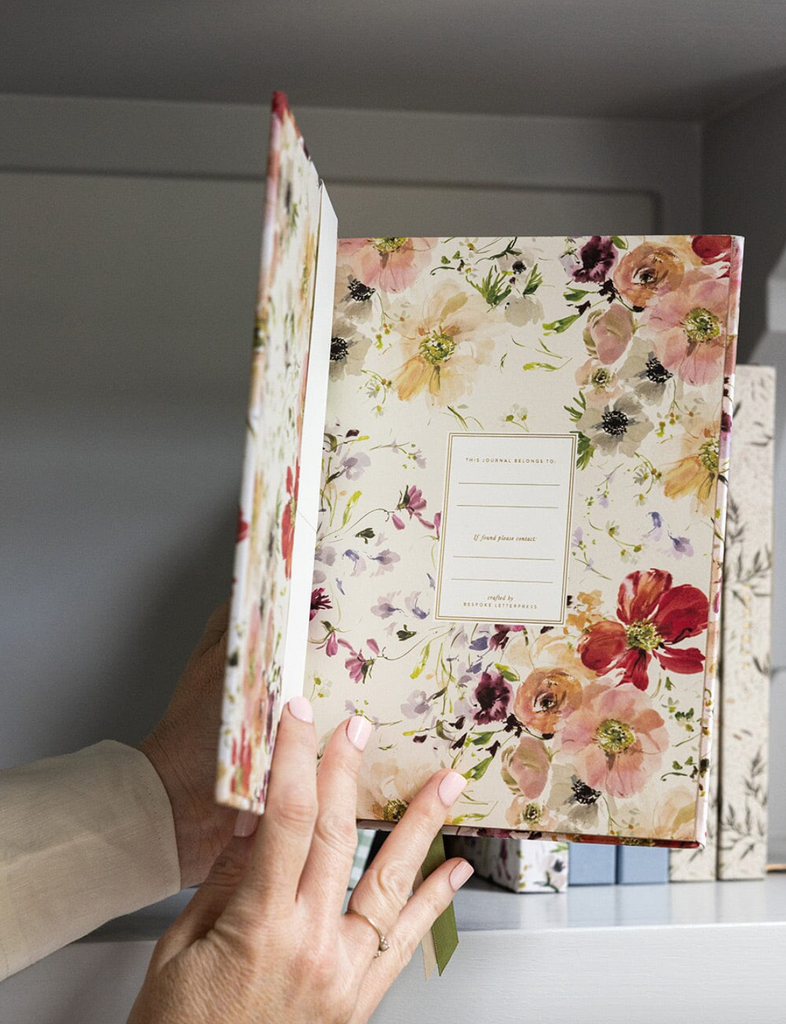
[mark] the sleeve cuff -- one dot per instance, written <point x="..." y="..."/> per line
<point x="84" y="838"/>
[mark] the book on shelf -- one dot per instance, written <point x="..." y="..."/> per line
<point x="514" y="864"/>
<point x="737" y="833"/>
<point x="745" y="643"/>
<point x="482" y="506"/>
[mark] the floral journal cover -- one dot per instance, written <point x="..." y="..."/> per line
<point x="276" y="530"/>
<point x="511" y="565"/>
<point x="521" y="525"/>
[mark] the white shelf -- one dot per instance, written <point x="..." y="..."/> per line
<point x="649" y="954"/>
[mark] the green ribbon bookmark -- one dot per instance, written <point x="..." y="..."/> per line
<point x="444" y="933"/>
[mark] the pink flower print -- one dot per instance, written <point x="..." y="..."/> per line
<point x="357" y="664"/>
<point x="528" y="767"/>
<point x="411" y="500"/>
<point x="687" y="328"/>
<point x="390" y="264"/>
<point x="615" y="740"/>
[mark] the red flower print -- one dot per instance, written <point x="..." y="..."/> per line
<point x="501" y="635"/>
<point x="241" y="762"/>
<point x="491" y="699"/>
<point x="242" y="526"/>
<point x="711" y="248"/>
<point x="653" y="617"/>
<point x="319" y="600"/>
<point x="288" y="518"/>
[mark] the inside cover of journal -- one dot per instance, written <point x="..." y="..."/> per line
<point x="483" y="505"/>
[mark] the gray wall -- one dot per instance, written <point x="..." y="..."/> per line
<point x="745" y="192"/>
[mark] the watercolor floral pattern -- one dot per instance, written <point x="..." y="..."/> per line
<point x="266" y="517"/>
<point x="597" y="727"/>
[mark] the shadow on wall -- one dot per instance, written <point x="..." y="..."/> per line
<point x="119" y="544"/>
<point x="163" y="628"/>
<point x="744" y="189"/>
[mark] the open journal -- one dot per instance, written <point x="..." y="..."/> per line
<point x="483" y="505"/>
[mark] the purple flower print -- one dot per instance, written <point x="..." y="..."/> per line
<point x="319" y="600"/>
<point x="412" y="606"/>
<point x="656" y="532"/>
<point x="578" y="537"/>
<point x="358" y="562"/>
<point x="681" y="546"/>
<point x="384" y="607"/>
<point x="326" y="554"/>
<point x="355" y="464"/>
<point x="417" y="704"/>
<point x="385" y="559"/>
<point x="594" y="260"/>
<point x="501" y="636"/>
<point x="492" y="697"/>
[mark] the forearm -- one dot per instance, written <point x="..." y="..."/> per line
<point x="84" y="838"/>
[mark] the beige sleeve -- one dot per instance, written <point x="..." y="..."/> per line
<point x="83" y="838"/>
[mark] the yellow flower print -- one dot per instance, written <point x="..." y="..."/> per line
<point x="444" y="347"/>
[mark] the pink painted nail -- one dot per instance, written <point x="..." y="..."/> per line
<point x="300" y="708"/>
<point x="460" y="874"/>
<point x="451" y="787"/>
<point x="358" y="731"/>
<point x="246" y="824"/>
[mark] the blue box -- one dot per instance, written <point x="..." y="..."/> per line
<point x="592" y="864"/>
<point x="642" y="865"/>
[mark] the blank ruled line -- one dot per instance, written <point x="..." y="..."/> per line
<point x="509" y="558"/>
<point x="485" y="505"/>
<point x="482" y="579"/>
<point x="501" y="483"/>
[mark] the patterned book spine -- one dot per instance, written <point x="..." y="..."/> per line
<point x="747" y="589"/>
<point x="516" y="864"/>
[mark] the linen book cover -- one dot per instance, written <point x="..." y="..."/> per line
<point x="520" y="524"/>
<point x="745" y="638"/>
<point x="737" y="824"/>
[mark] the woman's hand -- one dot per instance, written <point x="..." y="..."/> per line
<point x="264" y="941"/>
<point x="182" y="749"/>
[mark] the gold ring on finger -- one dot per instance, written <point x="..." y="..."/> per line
<point x="384" y="945"/>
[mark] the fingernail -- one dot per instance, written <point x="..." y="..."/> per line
<point x="246" y="824"/>
<point x="451" y="787"/>
<point x="460" y="874"/>
<point x="300" y="708"/>
<point x="358" y="731"/>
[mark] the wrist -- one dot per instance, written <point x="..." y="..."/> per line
<point x="188" y="829"/>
